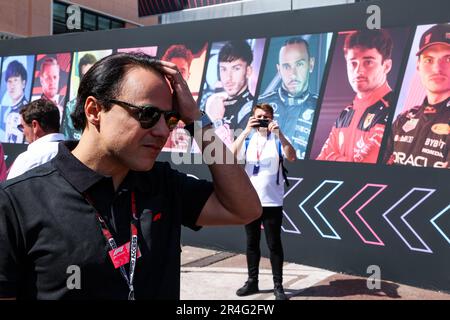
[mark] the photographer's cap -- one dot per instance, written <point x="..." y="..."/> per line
<point x="438" y="34"/>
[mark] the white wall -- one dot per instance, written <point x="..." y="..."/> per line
<point x="245" y="7"/>
<point x="301" y="4"/>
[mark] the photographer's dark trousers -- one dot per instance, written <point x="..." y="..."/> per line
<point x="271" y="219"/>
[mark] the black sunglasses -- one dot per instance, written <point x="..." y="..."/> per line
<point x="149" y="115"/>
<point x="20" y="127"/>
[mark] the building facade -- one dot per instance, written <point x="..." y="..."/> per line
<point x="31" y="18"/>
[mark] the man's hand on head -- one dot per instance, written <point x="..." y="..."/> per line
<point x="183" y="102"/>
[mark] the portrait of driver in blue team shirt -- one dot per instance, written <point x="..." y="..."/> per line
<point x="293" y="102"/>
<point x="15" y="94"/>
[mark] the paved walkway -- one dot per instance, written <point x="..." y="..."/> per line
<point x="216" y="275"/>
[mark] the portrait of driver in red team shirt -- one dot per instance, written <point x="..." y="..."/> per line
<point x="420" y="136"/>
<point x="179" y="139"/>
<point x="358" y="131"/>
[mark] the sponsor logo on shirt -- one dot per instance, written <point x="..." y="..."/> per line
<point x="441" y="128"/>
<point x="302" y="129"/>
<point x="429" y="109"/>
<point x="406" y="139"/>
<point x="341" y="139"/>
<point x="307" y="115"/>
<point x="435" y="143"/>
<point x="360" y="144"/>
<point x="411" y="160"/>
<point x="417" y="161"/>
<point x="368" y="120"/>
<point x="275" y="108"/>
<point x="410" y="125"/>
<point x="433" y="152"/>
<point x="157" y="217"/>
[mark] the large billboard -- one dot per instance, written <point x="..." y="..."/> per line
<point x="367" y="111"/>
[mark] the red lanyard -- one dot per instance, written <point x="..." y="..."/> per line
<point x="133" y="242"/>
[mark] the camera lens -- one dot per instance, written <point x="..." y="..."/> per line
<point x="263" y="123"/>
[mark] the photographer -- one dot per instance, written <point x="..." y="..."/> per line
<point x="263" y="152"/>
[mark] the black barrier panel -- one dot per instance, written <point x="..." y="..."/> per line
<point x="343" y="212"/>
<point x="347" y="218"/>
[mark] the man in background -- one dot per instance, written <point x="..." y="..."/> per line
<point x="40" y="126"/>
<point x="264" y="146"/>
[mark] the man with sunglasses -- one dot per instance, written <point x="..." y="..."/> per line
<point x="102" y="220"/>
<point x="39" y="123"/>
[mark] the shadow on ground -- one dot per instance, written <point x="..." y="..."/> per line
<point x="346" y="288"/>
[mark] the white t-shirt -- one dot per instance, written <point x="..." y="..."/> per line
<point x="38" y="152"/>
<point x="265" y="181"/>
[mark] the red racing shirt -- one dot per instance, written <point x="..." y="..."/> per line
<point x="357" y="133"/>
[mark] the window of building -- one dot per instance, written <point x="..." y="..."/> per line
<point x="104" y="23"/>
<point x="116" y="24"/>
<point x="90" y="20"/>
<point x="59" y="18"/>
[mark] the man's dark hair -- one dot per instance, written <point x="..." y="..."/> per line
<point x="43" y="111"/>
<point x="15" y="69"/>
<point x="263" y="106"/>
<point x="178" y="51"/>
<point x="379" y="39"/>
<point x="104" y="81"/>
<point x="298" y="40"/>
<point x="234" y="50"/>
<point x="88" y="58"/>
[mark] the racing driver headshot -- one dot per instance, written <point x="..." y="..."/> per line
<point x="420" y="136"/>
<point x="357" y="133"/>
